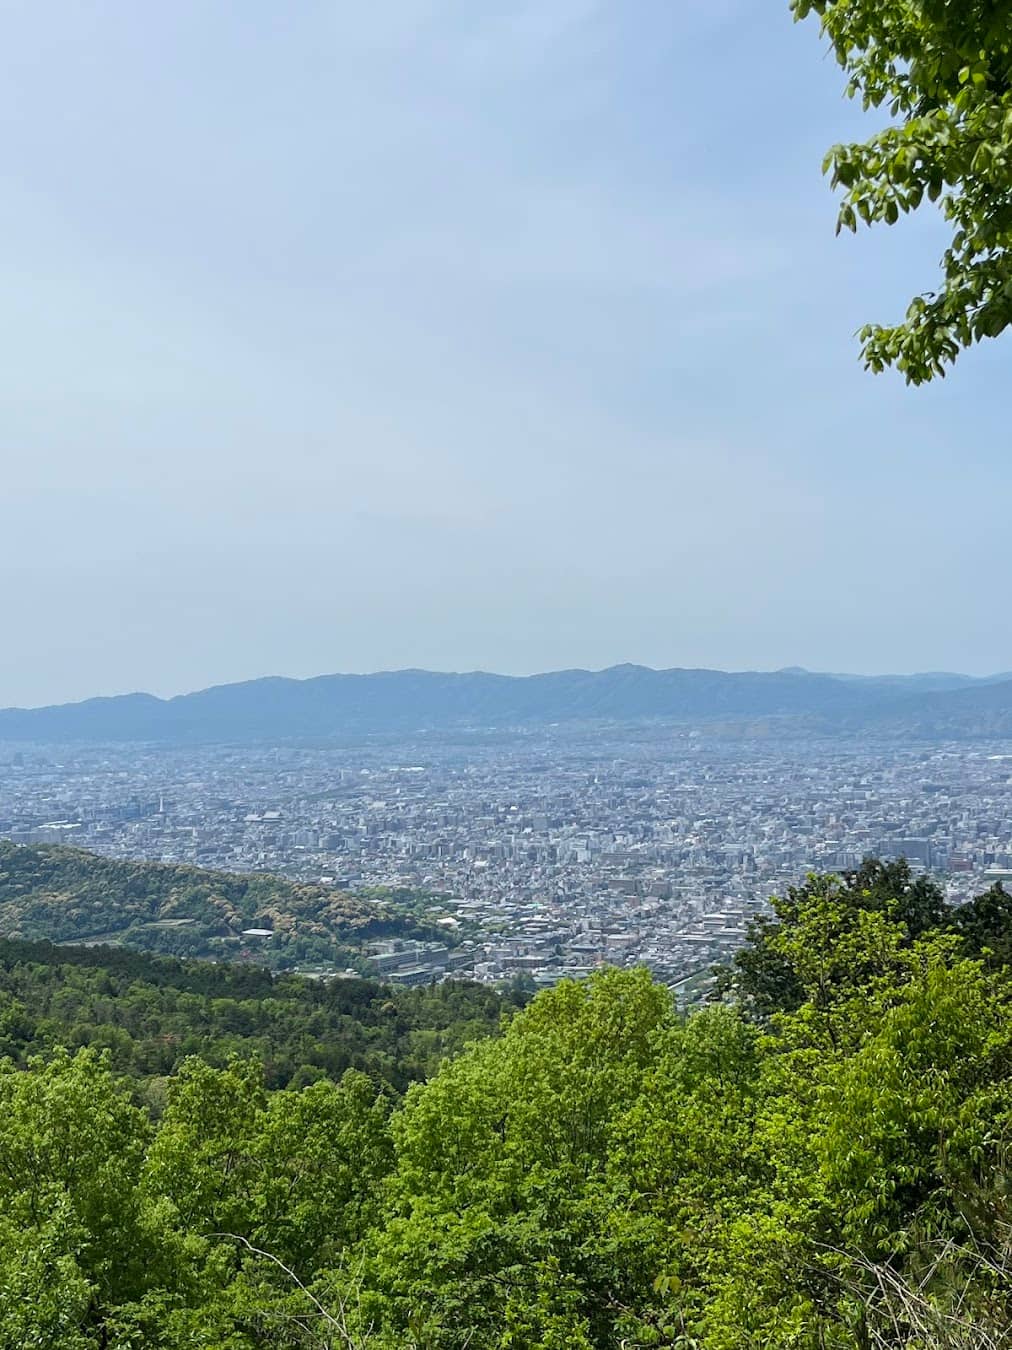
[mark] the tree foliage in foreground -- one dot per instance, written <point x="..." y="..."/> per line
<point x="942" y="69"/>
<point x="817" y="1162"/>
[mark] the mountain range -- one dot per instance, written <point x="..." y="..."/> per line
<point x="793" y="701"/>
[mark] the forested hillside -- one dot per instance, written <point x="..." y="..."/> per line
<point x="68" y="895"/>
<point x="151" y="1013"/>
<point x="816" y="1162"/>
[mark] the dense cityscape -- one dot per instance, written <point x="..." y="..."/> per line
<point x="543" y="854"/>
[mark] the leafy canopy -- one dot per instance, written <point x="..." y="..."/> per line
<point x="943" y="70"/>
<point x="818" y="1161"/>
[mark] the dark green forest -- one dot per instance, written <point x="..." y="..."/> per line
<point x="149" y="1014"/>
<point x="69" y="895"/>
<point x="818" y="1159"/>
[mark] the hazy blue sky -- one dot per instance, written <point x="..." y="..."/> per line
<point x="457" y="335"/>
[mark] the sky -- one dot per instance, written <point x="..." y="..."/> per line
<point x="463" y="335"/>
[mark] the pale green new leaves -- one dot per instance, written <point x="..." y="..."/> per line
<point x="943" y="71"/>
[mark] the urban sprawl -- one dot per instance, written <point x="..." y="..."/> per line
<point x="542" y="855"/>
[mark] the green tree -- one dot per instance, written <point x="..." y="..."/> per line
<point x="920" y="1106"/>
<point x="828" y="937"/>
<point x="497" y="1233"/>
<point x="943" y="71"/>
<point x="323" y="1154"/>
<point x="204" y="1158"/>
<point x="46" y="1299"/>
<point x="71" y="1143"/>
<point x="985" y="925"/>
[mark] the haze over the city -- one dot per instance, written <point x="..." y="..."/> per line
<point x="455" y="337"/>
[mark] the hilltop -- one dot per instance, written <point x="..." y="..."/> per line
<point x="68" y="895"/>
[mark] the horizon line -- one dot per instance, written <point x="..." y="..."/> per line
<point x="793" y="670"/>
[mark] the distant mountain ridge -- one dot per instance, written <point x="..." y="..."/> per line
<point x="406" y="701"/>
